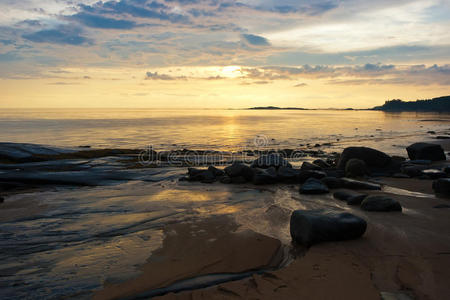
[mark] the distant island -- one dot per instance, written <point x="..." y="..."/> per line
<point x="275" y="107"/>
<point x="440" y="104"/>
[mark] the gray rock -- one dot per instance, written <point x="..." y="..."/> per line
<point x="2" y="199"/>
<point x="308" y="227"/>
<point x="372" y="157"/>
<point x="271" y="160"/>
<point x="345" y="195"/>
<point x="380" y="203"/>
<point x="427" y="151"/>
<point x="442" y="206"/>
<point x="307" y="166"/>
<point x="442" y="186"/>
<point x="355" y="168"/>
<point x="217" y="172"/>
<point x="202" y="175"/>
<point x="356" y="200"/>
<point x="313" y="186"/>
<point x="413" y="170"/>
<point x="226" y="179"/>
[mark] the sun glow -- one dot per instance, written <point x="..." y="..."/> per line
<point x="231" y="71"/>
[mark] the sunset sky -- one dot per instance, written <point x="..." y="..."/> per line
<point x="222" y="54"/>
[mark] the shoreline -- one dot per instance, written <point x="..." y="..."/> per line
<point x="233" y="240"/>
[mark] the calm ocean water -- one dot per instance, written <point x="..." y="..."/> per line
<point x="217" y="129"/>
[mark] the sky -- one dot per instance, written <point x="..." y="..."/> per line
<point x="222" y="53"/>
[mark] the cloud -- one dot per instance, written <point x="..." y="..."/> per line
<point x="103" y="22"/>
<point x="156" y="76"/>
<point x="255" y="40"/>
<point x="64" y="35"/>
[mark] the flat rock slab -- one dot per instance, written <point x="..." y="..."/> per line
<point x="380" y="203"/>
<point x="308" y="227"/>
<point x="313" y="186"/>
<point x="426" y="151"/>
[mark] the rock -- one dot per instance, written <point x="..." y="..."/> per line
<point x="446" y="169"/>
<point x="434" y="174"/>
<point x="238" y="179"/>
<point x="420" y="162"/>
<point x="265" y="176"/>
<point x="442" y="206"/>
<point x="442" y="186"/>
<point x="226" y="179"/>
<point x="217" y="172"/>
<point x="239" y="169"/>
<point x="359" y="185"/>
<point x="313" y="186"/>
<point x="306" y="174"/>
<point x="286" y="174"/>
<point x="380" y="203"/>
<point x="428" y="151"/>
<point x="431" y="132"/>
<point x="308" y="227"/>
<point x="2" y="199"/>
<point x="344" y="195"/>
<point x="413" y="170"/>
<point x="321" y="163"/>
<point x="400" y="175"/>
<point x="355" y="168"/>
<point x="332" y="182"/>
<point x="356" y="200"/>
<point x="443" y="137"/>
<point x="372" y="157"/>
<point x="271" y="160"/>
<point x="307" y="166"/>
<point x="204" y="176"/>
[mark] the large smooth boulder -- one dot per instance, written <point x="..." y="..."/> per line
<point x="308" y="227"/>
<point x="380" y="203"/>
<point x="271" y="160"/>
<point x="442" y="186"/>
<point x="306" y="174"/>
<point x="355" y="168"/>
<point x="313" y="186"/>
<point x="240" y="170"/>
<point x="205" y="176"/>
<point x="426" y="151"/>
<point x="351" y="197"/>
<point x="372" y="157"/>
<point x="332" y="182"/>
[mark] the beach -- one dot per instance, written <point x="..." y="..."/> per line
<point x="129" y="223"/>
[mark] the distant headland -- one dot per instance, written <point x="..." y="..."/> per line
<point x="440" y="104"/>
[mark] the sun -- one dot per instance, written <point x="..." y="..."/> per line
<point x="231" y="71"/>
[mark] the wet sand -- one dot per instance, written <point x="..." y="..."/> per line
<point x="401" y="254"/>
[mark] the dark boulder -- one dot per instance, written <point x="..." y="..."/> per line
<point x="413" y="170"/>
<point x="265" y="176"/>
<point x="217" y="172"/>
<point x="372" y="157"/>
<point x="286" y="174"/>
<point x="359" y="185"/>
<point x="305" y="175"/>
<point x="226" y="179"/>
<point x="346" y="195"/>
<point x="271" y="160"/>
<point x="426" y="151"/>
<point x="313" y="186"/>
<point x="442" y="186"/>
<point x="2" y="199"/>
<point x="307" y="166"/>
<point x="202" y="175"/>
<point x="380" y="203"/>
<point x="332" y="182"/>
<point x="321" y="163"/>
<point x="442" y="206"/>
<point x="239" y="169"/>
<point x="308" y="227"/>
<point x="356" y="200"/>
<point x="355" y="168"/>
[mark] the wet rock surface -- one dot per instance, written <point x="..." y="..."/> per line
<point x="313" y="186"/>
<point x="372" y="157"/>
<point x="308" y="227"/>
<point x="380" y="203"/>
<point x="425" y="151"/>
